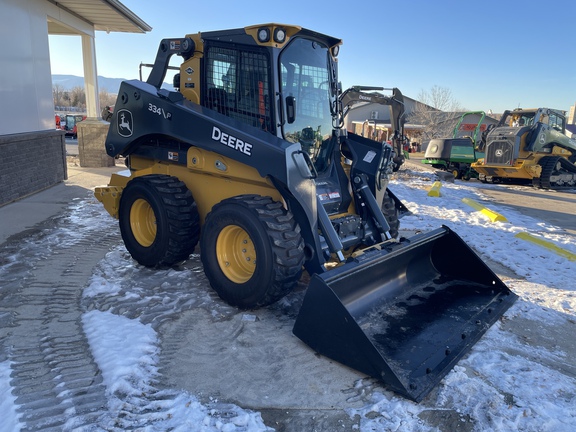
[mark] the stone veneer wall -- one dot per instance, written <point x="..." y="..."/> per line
<point x="31" y="162"/>
<point x="91" y="144"/>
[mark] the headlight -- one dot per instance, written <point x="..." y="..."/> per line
<point x="279" y="35"/>
<point x="263" y="34"/>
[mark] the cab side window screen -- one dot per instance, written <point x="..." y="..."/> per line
<point x="237" y="85"/>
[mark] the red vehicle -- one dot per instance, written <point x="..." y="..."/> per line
<point x="71" y="121"/>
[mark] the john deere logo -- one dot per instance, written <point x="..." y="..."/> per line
<point x="125" y="123"/>
<point x="499" y="153"/>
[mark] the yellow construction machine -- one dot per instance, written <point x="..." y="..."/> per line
<point x="249" y="158"/>
<point x="530" y="145"/>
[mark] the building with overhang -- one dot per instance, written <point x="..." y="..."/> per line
<point x="32" y="151"/>
<point x="373" y="120"/>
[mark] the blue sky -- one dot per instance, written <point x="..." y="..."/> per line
<point x="491" y="55"/>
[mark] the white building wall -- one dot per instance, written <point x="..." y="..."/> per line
<point x="25" y="77"/>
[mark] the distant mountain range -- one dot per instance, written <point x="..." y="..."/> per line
<point x="111" y="85"/>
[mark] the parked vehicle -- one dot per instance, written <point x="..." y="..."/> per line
<point x="456" y="154"/>
<point x="249" y="158"/>
<point x="72" y="121"/>
<point x="531" y="145"/>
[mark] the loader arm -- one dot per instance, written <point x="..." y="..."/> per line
<point x="168" y="47"/>
<point x="357" y="95"/>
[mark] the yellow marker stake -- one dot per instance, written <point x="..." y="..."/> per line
<point x="547" y="245"/>
<point x="434" y="191"/>
<point x="492" y="215"/>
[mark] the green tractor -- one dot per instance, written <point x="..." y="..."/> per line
<point x="457" y="153"/>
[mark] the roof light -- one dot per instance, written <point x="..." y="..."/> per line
<point x="263" y="34"/>
<point x="279" y="35"/>
<point x="335" y="50"/>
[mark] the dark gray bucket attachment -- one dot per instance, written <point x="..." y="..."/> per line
<point x="405" y="314"/>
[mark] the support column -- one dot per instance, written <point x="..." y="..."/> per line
<point x="92" y="131"/>
<point x="90" y="77"/>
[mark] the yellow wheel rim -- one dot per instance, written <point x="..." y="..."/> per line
<point x="236" y="254"/>
<point x="455" y="173"/>
<point x="143" y="222"/>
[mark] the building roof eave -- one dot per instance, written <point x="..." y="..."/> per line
<point x="103" y="15"/>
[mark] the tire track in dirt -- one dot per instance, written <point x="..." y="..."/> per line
<point x="56" y="383"/>
<point x="158" y="297"/>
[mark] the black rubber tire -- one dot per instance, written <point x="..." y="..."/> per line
<point x="159" y="221"/>
<point x="390" y="212"/>
<point x="275" y="240"/>
<point x="454" y="169"/>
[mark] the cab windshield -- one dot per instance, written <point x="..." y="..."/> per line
<point x="517" y="118"/>
<point x="305" y="84"/>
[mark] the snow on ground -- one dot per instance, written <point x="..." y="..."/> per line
<point x="8" y="413"/>
<point x="503" y="384"/>
<point x="500" y="391"/>
<point x="127" y="353"/>
<point x="493" y="240"/>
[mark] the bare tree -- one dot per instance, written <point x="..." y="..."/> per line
<point x="440" y="98"/>
<point x="78" y="97"/>
<point x="57" y="94"/>
<point x="106" y="99"/>
<point x="437" y="112"/>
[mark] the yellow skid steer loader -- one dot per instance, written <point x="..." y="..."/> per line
<point x="249" y="158"/>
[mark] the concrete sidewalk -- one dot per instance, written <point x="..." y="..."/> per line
<point x="21" y="217"/>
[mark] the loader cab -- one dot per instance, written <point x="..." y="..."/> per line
<point x="517" y="118"/>
<point x="305" y="86"/>
<point x="557" y="121"/>
<point x="539" y="129"/>
<point x="237" y="83"/>
<point x="280" y="79"/>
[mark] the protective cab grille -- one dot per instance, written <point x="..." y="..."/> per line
<point x="237" y="85"/>
<point x="499" y="153"/>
